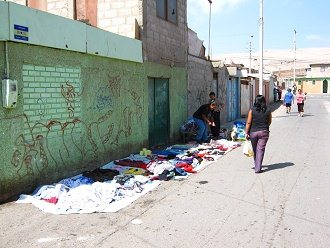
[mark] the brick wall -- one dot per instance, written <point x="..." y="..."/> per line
<point x="57" y="7"/>
<point x="200" y="76"/>
<point x="22" y="2"/>
<point x="163" y="41"/>
<point x="118" y="16"/>
<point x="61" y="7"/>
<point x="50" y="93"/>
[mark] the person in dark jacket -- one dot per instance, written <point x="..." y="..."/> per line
<point x="215" y="130"/>
<point x="203" y="117"/>
<point x="257" y="129"/>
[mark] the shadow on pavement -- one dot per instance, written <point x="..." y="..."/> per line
<point x="275" y="105"/>
<point x="276" y="166"/>
<point x="281" y="116"/>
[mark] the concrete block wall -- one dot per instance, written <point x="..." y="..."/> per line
<point x="200" y="76"/>
<point x="61" y="7"/>
<point x="163" y="41"/>
<point x="22" y="2"/>
<point x="223" y="77"/>
<point x="118" y="16"/>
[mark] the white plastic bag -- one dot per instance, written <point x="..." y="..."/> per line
<point x="247" y="148"/>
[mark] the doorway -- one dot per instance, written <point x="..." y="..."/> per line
<point x="233" y="97"/>
<point x="158" y="111"/>
<point x="325" y="86"/>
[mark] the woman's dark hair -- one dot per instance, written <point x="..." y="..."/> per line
<point x="260" y="103"/>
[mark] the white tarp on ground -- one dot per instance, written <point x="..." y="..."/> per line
<point x="89" y="198"/>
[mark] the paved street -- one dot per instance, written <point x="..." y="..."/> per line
<point x="225" y="205"/>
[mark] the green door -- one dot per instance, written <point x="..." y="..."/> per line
<point x="158" y="111"/>
<point x="325" y="86"/>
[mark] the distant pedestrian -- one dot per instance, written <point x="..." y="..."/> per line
<point x="257" y="129"/>
<point x="203" y="117"/>
<point x="300" y="98"/>
<point x="279" y="92"/>
<point x="294" y="87"/>
<point x="288" y="100"/>
<point x="215" y="130"/>
<point x="275" y="93"/>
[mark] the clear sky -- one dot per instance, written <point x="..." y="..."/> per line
<point x="233" y="22"/>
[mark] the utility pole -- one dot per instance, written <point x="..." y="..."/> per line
<point x="208" y="56"/>
<point x="294" y="59"/>
<point x="261" y="45"/>
<point x="250" y="50"/>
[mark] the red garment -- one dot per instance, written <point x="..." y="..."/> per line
<point x="186" y="167"/>
<point x="131" y="163"/>
<point x="53" y="200"/>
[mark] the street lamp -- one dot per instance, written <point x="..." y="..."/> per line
<point x="208" y="56"/>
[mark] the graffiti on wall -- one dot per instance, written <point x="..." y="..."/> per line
<point x="137" y="100"/>
<point x="34" y="150"/>
<point x="69" y="93"/>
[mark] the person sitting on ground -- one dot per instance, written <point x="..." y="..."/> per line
<point x="203" y="117"/>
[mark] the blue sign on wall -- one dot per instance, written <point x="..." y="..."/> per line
<point x="21" y="32"/>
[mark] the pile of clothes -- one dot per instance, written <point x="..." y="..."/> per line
<point x="120" y="182"/>
<point x="238" y="131"/>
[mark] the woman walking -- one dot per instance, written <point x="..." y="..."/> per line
<point x="257" y="129"/>
<point x="300" y="98"/>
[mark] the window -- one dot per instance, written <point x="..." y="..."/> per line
<point x="167" y="9"/>
<point x="322" y="69"/>
<point x="313" y="82"/>
<point x="299" y="82"/>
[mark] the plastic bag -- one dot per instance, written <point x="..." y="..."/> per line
<point x="247" y="148"/>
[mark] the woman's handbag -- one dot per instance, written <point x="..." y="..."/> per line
<point x="247" y="148"/>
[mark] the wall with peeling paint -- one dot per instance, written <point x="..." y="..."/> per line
<point x="75" y="112"/>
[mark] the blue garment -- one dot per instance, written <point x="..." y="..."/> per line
<point x="202" y="130"/>
<point x="288" y="97"/>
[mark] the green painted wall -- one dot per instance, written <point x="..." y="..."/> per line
<point x="177" y="93"/>
<point x="76" y="112"/>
